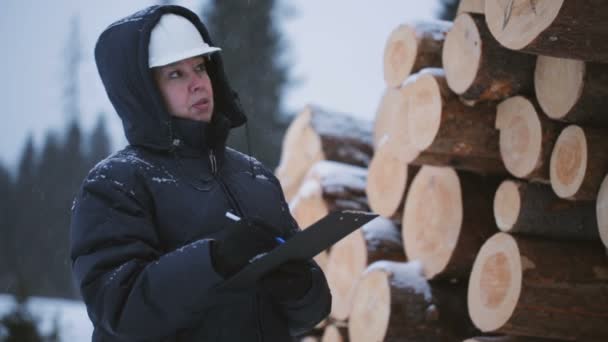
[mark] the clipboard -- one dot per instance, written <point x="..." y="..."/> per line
<point x="302" y="246"/>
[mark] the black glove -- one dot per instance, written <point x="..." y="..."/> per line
<point x="241" y="241"/>
<point x="290" y="281"/>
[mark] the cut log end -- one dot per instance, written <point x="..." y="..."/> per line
<point x="568" y="162"/>
<point x="332" y="334"/>
<point x="386" y="182"/>
<point x="602" y="211"/>
<point x="462" y="53"/>
<point x="425" y="108"/>
<point x="347" y="260"/>
<point x="507" y="205"/>
<point x="520" y="135"/>
<point x="370" y="314"/>
<point x="390" y="106"/>
<point x="399" y="55"/>
<point x="308" y="205"/>
<point x="432" y="218"/>
<point x="559" y="84"/>
<point x="495" y="283"/>
<point x="516" y="23"/>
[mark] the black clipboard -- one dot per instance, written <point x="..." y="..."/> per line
<point x="302" y="246"/>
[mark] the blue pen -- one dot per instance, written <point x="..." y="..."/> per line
<point x="235" y="218"/>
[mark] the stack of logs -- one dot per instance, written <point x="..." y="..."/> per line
<point x="488" y="162"/>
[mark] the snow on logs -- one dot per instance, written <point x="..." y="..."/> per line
<point x="411" y="47"/>
<point x="533" y="287"/>
<point x="478" y="69"/>
<point x="447" y="217"/>
<point x="572" y="90"/>
<point x="527" y="138"/>
<point x="393" y="302"/>
<point x="316" y="135"/>
<point x="377" y="240"/>
<point x="534" y="209"/>
<point x="559" y="28"/>
<point x="327" y="187"/>
<point x="579" y="162"/>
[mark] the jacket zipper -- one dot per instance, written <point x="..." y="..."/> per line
<point x="235" y="205"/>
<point x="214" y="171"/>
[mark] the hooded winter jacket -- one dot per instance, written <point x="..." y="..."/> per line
<point x="144" y="217"/>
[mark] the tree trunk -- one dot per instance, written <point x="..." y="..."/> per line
<point x="387" y="183"/>
<point x="601" y="209"/>
<point x="393" y="302"/>
<point x="571" y="90"/>
<point x="527" y="138"/>
<point x="532" y="287"/>
<point x="449" y="133"/>
<point x="447" y="217"/>
<point x="534" y="209"/>
<point x="478" y="68"/>
<point x="579" y="162"/>
<point x="316" y="135"/>
<point x="411" y="47"/>
<point x="471" y="6"/>
<point x="378" y="240"/>
<point x="560" y="28"/>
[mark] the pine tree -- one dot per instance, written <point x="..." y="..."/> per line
<point x="73" y="52"/>
<point x="448" y="9"/>
<point x="251" y="50"/>
<point x="7" y="229"/>
<point x="26" y="203"/>
<point x="99" y="142"/>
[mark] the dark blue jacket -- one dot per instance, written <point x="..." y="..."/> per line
<point x="143" y="219"/>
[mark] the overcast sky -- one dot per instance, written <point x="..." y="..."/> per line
<point x="335" y="47"/>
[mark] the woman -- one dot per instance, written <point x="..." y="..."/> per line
<point x="150" y="240"/>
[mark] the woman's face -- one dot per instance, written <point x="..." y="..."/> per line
<point x="186" y="88"/>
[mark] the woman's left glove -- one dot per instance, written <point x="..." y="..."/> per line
<point x="290" y="281"/>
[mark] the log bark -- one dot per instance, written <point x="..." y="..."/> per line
<point x="471" y="6"/>
<point x="447" y="218"/>
<point x="316" y="135"/>
<point x="560" y="28"/>
<point x="446" y="132"/>
<point x="393" y="302"/>
<point x="335" y="334"/>
<point x="527" y="138"/>
<point x="378" y="240"/>
<point x="411" y="47"/>
<point x="478" y="68"/>
<point x="571" y="90"/>
<point x="579" y="162"/>
<point x="601" y="208"/>
<point x="534" y="209"/>
<point x="534" y="287"/>
<point x="387" y="183"/>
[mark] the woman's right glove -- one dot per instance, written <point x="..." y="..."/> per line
<point x="242" y="241"/>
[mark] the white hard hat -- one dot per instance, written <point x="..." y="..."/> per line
<point x="175" y="38"/>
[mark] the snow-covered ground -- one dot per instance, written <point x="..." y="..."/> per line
<point x="70" y="316"/>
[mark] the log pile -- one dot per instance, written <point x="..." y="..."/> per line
<point x="490" y="170"/>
